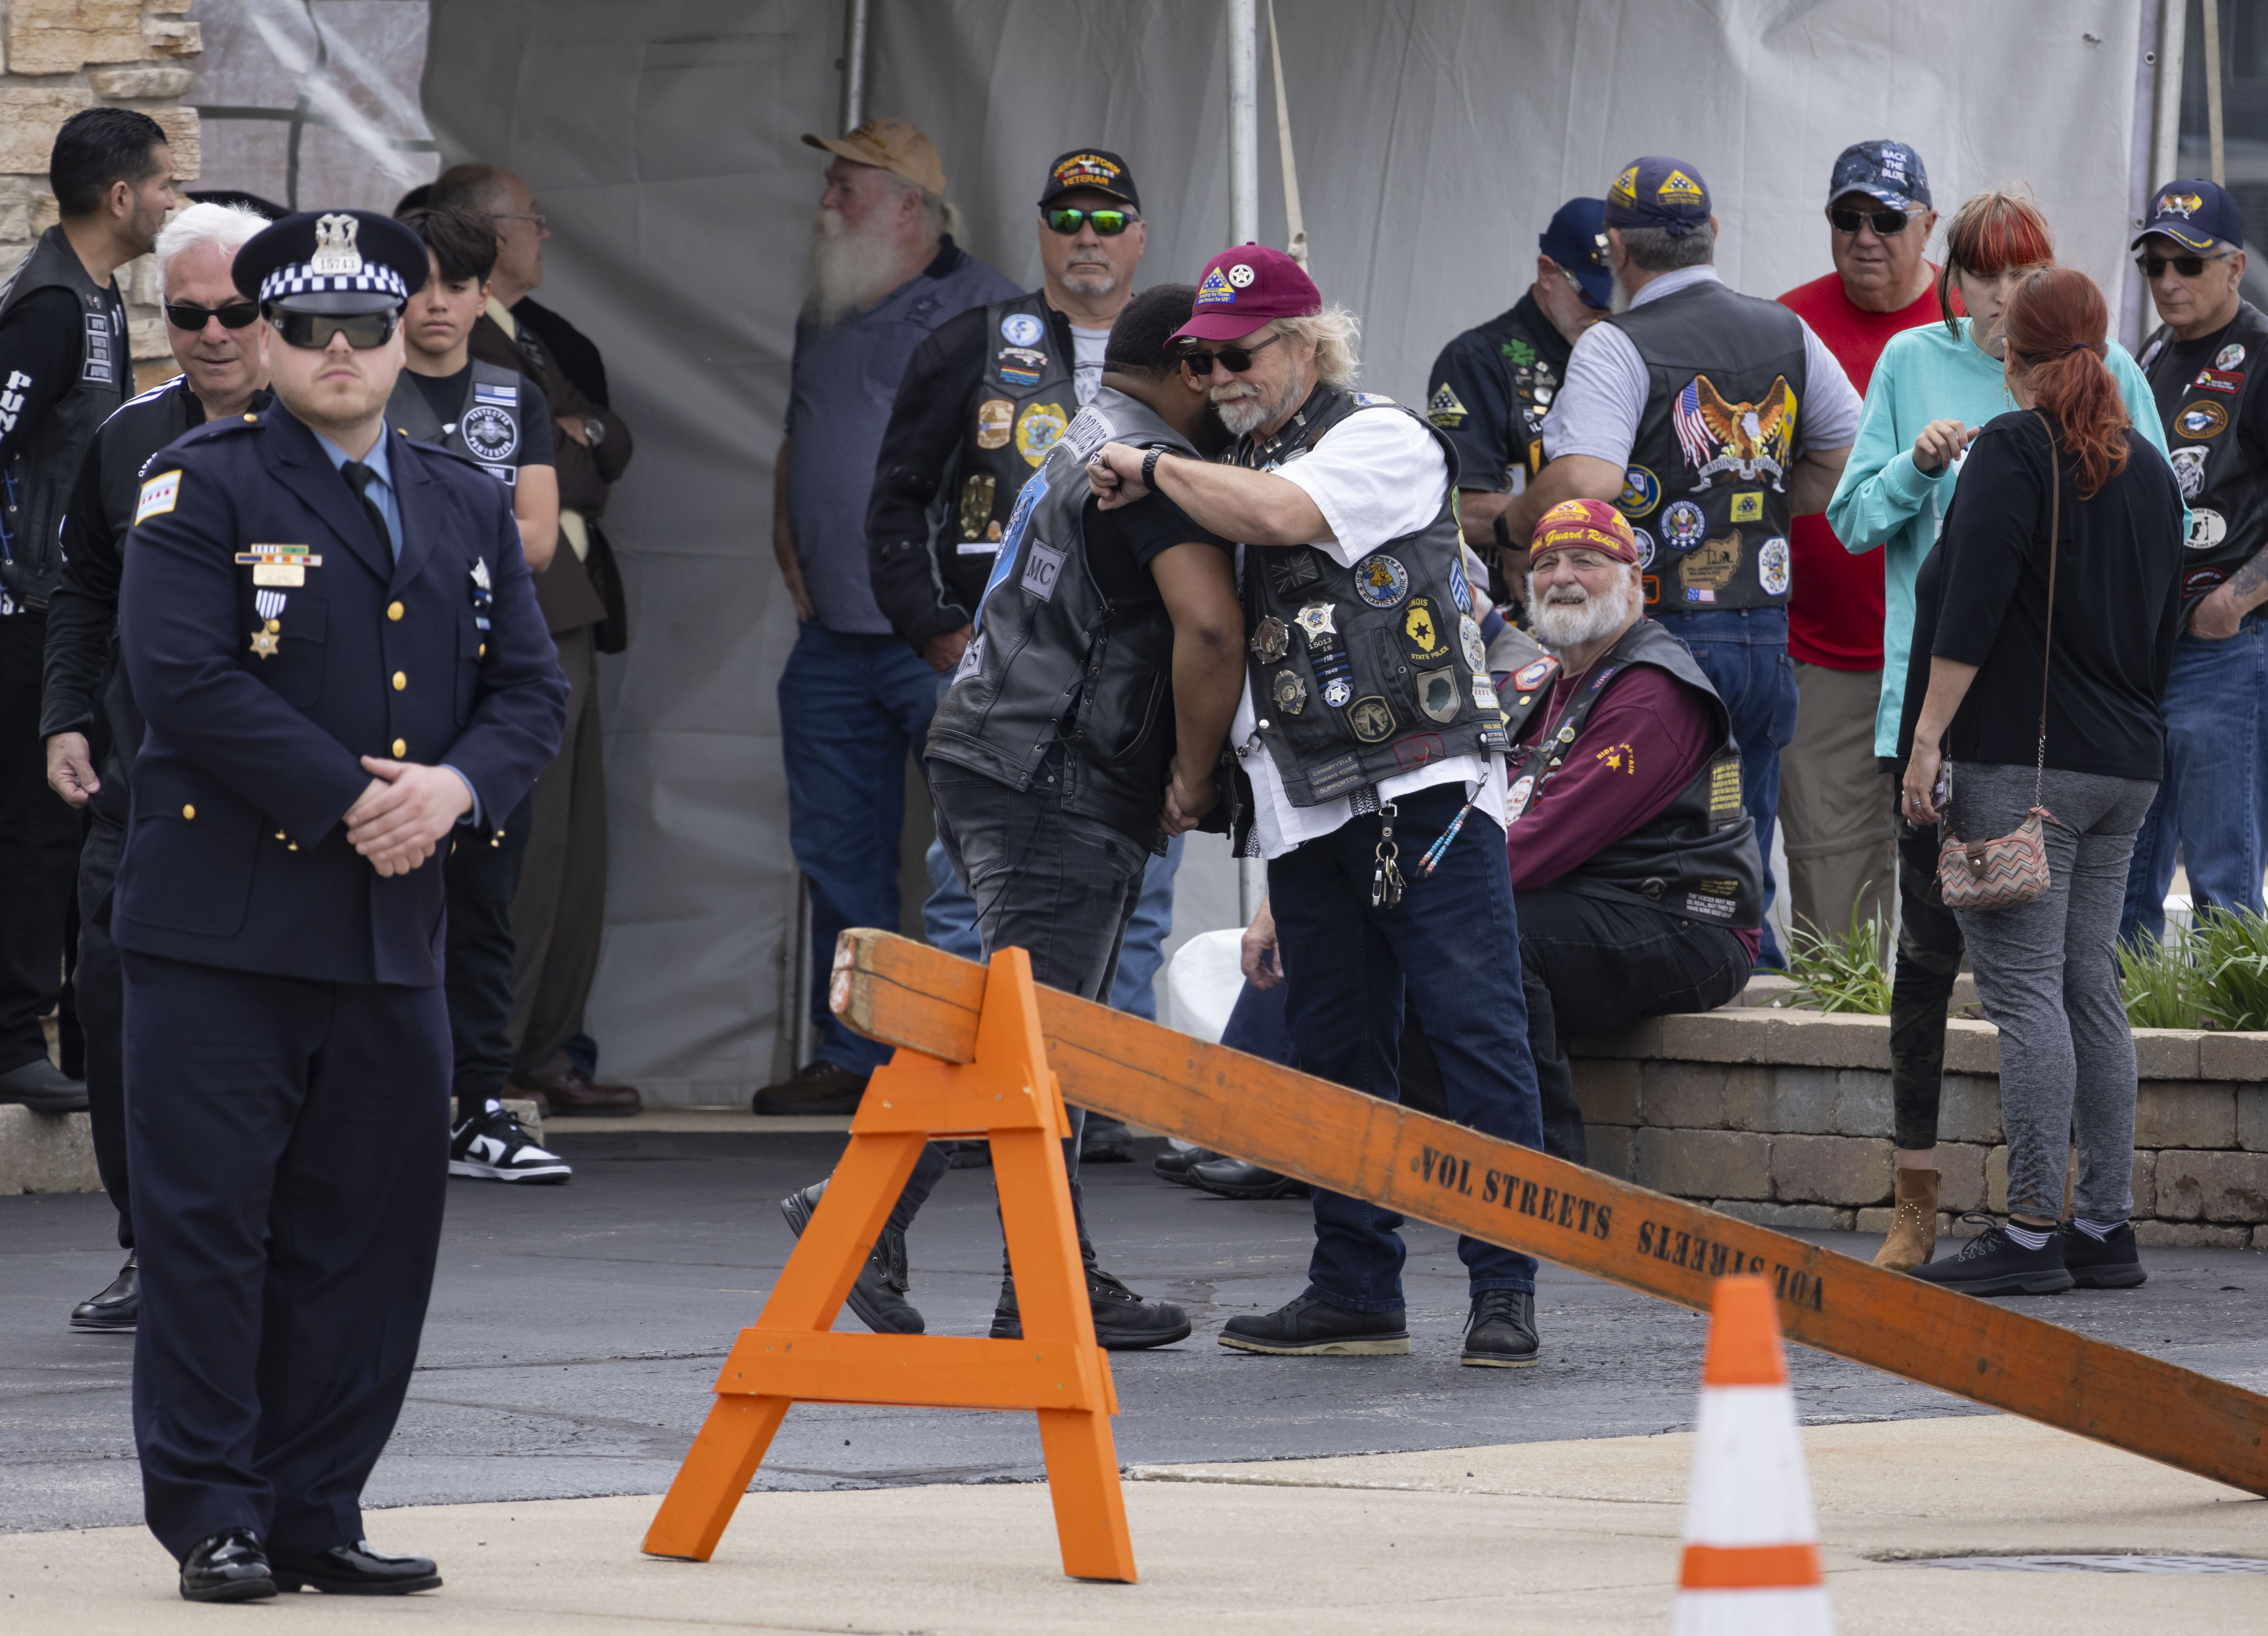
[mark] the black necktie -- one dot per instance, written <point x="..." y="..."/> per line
<point x="359" y="477"/>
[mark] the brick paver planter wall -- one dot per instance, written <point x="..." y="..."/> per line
<point x="1783" y="1117"/>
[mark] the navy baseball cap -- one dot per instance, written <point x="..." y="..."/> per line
<point x="1888" y="173"/>
<point x="2195" y="214"/>
<point x="1657" y="192"/>
<point x="1576" y="239"/>
<point x="340" y="261"/>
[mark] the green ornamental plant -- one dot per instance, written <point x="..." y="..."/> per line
<point x="1845" y="971"/>
<point x="2160" y="981"/>
<point x="2230" y="951"/>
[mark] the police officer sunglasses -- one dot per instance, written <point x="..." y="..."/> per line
<point x="1884" y="223"/>
<point x="188" y="315"/>
<point x="1236" y="360"/>
<point x="1109" y="223"/>
<point x="2187" y="266"/>
<point x="313" y="330"/>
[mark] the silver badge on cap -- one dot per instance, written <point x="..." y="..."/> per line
<point x="336" y="255"/>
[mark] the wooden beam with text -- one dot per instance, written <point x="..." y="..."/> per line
<point x="998" y="1087"/>
<point x="905" y="994"/>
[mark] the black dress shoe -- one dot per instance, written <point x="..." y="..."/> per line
<point x="1173" y="1164"/>
<point x="1232" y="1178"/>
<point x="817" y="1088"/>
<point x="357" y="1570"/>
<point x="1105" y="1141"/>
<point x="117" y="1307"/>
<point x="227" y="1567"/>
<point x="878" y="1297"/>
<point x="43" y="1088"/>
<point x="1124" y="1321"/>
<point x="1500" y="1330"/>
<point x="1313" y="1327"/>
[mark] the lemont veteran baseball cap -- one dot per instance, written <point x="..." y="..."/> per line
<point x="1658" y="192"/>
<point x="1242" y="289"/>
<point x="889" y="144"/>
<point x="1095" y="168"/>
<point x="2196" y="215"/>
<point x="1590" y="525"/>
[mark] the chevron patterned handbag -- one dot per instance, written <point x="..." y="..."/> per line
<point x="2004" y="874"/>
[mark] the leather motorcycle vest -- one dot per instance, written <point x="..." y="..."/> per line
<point x="1706" y="489"/>
<point x="1361" y="674"/>
<point x="1054" y="661"/>
<point x="1021" y="405"/>
<point x="1695" y="859"/>
<point x="487" y="430"/>
<point x="1534" y="380"/>
<point x="39" y="475"/>
<point x="2225" y="484"/>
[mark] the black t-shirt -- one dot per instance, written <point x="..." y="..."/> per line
<point x="1121" y="544"/>
<point x="1471" y="396"/>
<point x="1981" y="598"/>
<point x="445" y="396"/>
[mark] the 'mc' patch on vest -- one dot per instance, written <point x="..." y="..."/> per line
<point x="158" y="495"/>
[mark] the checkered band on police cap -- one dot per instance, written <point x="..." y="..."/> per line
<point x="298" y="279"/>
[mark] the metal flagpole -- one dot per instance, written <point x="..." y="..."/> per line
<point x="1244" y="228"/>
<point x="854" y="64"/>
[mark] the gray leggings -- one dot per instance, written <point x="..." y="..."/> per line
<point x="2048" y="975"/>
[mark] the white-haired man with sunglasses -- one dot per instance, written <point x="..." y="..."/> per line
<point x="86" y="710"/>
<point x="2205" y="366"/>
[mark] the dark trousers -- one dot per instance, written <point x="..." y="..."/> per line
<point x="289" y="1146"/>
<point x="1454" y="941"/>
<point x="1588" y="965"/>
<point x="101" y="1013"/>
<point x="1930" y="948"/>
<point x="40" y="835"/>
<point x="481" y="878"/>
<point x="1061" y="885"/>
<point x="559" y="906"/>
<point x="1256" y="1027"/>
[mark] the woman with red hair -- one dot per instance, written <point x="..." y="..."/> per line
<point x="2049" y="609"/>
<point x="1931" y="391"/>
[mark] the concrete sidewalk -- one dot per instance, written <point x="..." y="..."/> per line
<point x="1563" y="1537"/>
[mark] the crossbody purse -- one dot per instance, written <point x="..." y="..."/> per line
<point x="2011" y="871"/>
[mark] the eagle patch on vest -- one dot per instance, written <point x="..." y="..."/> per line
<point x="1744" y="439"/>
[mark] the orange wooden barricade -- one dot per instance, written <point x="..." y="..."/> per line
<point x="1002" y="1091"/>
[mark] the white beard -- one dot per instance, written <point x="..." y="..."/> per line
<point x="848" y="267"/>
<point x="1242" y="409"/>
<point x="1563" y="622"/>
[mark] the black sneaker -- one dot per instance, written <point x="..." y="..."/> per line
<point x="1124" y="1321"/>
<point x="1993" y="1264"/>
<point x="1233" y="1178"/>
<point x="2112" y="1263"/>
<point x="1311" y="1327"/>
<point x="1173" y="1164"/>
<point x="1105" y="1141"/>
<point x="1500" y="1332"/>
<point x="878" y="1296"/>
<point x="494" y="1147"/>
<point x="117" y="1308"/>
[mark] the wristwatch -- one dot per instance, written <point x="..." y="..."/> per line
<point x="1150" y="469"/>
<point x="595" y="429"/>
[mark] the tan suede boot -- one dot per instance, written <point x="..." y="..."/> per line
<point x="1913" y="1227"/>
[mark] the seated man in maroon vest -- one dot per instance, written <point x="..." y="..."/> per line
<point x="1634" y="867"/>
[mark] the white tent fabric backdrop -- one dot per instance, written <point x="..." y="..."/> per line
<point x="1434" y="138"/>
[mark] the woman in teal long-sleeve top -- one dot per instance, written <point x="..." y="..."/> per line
<point x="1935" y="387"/>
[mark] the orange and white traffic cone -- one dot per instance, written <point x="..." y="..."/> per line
<point x="1752" y="1563"/>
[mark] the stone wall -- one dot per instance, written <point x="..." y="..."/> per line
<point x="1783" y="1117"/>
<point x="57" y="56"/>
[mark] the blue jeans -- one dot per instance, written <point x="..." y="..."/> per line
<point x="850" y="708"/>
<point x="1455" y="938"/>
<point x="1743" y="652"/>
<point x="2209" y="805"/>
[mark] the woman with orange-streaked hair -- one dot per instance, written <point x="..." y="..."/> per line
<point x="1933" y="390"/>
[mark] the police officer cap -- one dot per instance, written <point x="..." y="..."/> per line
<point x="332" y="261"/>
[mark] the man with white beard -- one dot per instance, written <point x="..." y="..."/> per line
<point x="884" y="274"/>
<point x="1633" y="863"/>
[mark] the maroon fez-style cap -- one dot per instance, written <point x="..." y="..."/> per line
<point x="1243" y="288"/>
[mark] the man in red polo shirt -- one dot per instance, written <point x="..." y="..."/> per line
<point x="1837" y="805"/>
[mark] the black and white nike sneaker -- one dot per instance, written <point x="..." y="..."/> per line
<point x="494" y="1148"/>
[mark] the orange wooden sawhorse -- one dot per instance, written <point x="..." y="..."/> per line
<point x="1006" y="1094"/>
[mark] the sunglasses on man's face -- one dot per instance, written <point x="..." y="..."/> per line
<point x="1883" y="222"/>
<point x="1236" y="360"/>
<point x="187" y="315"/>
<point x="1109" y="223"/>
<point x="313" y="331"/>
<point x="2187" y="266"/>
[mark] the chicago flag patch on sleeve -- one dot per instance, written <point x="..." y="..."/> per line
<point x="158" y="495"/>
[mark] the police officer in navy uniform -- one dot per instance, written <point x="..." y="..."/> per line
<point x="330" y="631"/>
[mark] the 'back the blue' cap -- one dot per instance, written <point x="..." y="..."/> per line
<point x="2195" y="214"/>
<point x="1576" y="239"/>
<point x="1657" y="192"/>
<point x="1888" y="173"/>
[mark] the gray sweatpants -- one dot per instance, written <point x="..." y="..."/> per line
<point x="2048" y="975"/>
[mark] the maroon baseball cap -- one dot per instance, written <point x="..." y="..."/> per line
<point x="1243" y="288"/>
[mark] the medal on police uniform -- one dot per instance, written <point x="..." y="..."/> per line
<point x="268" y="640"/>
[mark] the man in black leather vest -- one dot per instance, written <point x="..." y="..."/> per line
<point x="87" y="713"/>
<point x="1084" y="725"/>
<point x="2207" y="366"/>
<point x="1639" y="888"/>
<point x="63" y="369"/>
<point x="1373" y="739"/>
<point x="1493" y="383"/>
<point x="1711" y="419"/>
